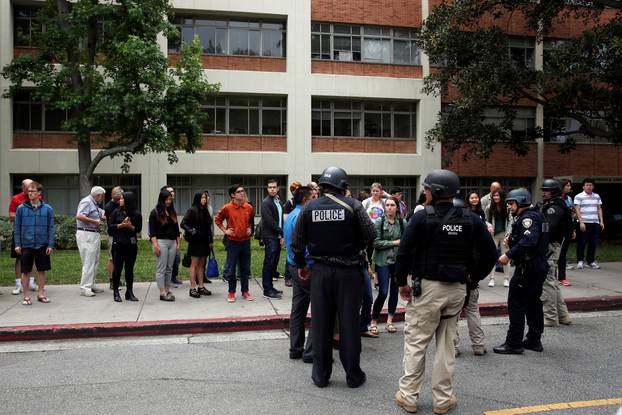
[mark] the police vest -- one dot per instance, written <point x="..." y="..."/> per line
<point x="564" y="227"/>
<point x="449" y="255"/>
<point x="331" y="230"/>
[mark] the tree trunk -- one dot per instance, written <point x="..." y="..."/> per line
<point x="84" y="162"/>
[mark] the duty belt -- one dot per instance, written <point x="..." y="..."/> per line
<point x="339" y="261"/>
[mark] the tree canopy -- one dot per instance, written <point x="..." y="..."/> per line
<point x="580" y="81"/>
<point x="101" y="62"/>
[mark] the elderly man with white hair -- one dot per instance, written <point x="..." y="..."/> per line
<point x="88" y="221"/>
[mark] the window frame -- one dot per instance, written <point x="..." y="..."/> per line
<point x="259" y="107"/>
<point x="30" y="102"/>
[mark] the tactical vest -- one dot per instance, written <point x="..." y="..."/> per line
<point x="331" y="228"/>
<point x="564" y="228"/>
<point x="449" y="254"/>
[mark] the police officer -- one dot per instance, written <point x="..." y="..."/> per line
<point x="438" y="246"/>
<point x="559" y="218"/>
<point x="336" y="230"/>
<point x="528" y="247"/>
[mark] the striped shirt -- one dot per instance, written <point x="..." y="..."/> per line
<point x="588" y="206"/>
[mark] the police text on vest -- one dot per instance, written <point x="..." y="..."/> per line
<point x="452" y="229"/>
<point x="329" y="215"/>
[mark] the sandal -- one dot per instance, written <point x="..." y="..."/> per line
<point x="369" y="334"/>
<point x="43" y="299"/>
<point x="26" y="301"/>
<point x="373" y="329"/>
<point x="391" y="328"/>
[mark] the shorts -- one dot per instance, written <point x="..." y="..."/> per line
<point x="110" y="245"/>
<point x="36" y="256"/>
<point x="13" y="253"/>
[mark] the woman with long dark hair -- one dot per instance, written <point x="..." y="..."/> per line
<point x="475" y="205"/>
<point x="164" y="236"/>
<point x="124" y="225"/>
<point x="197" y="224"/>
<point x="500" y="220"/>
<point x="561" y="263"/>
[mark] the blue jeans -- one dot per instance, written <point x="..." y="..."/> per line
<point x="385" y="281"/>
<point x="238" y="251"/>
<point x="589" y="237"/>
<point x="271" y="257"/>
<point x="368" y="298"/>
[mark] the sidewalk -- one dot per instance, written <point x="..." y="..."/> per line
<point x="70" y="315"/>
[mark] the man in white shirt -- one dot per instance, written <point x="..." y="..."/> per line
<point x="588" y="206"/>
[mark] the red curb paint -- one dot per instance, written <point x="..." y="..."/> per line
<point x="226" y="325"/>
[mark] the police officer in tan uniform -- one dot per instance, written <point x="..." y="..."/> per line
<point x="438" y="247"/>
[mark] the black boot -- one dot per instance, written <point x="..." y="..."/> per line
<point x="129" y="295"/>
<point x="535" y="345"/>
<point x="508" y="349"/>
<point x="116" y="295"/>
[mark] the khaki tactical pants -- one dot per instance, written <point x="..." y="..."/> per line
<point x="474" y="322"/>
<point x="553" y="303"/>
<point x="423" y="321"/>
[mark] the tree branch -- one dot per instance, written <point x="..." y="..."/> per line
<point x="126" y="148"/>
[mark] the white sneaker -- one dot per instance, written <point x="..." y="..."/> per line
<point x="17" y="290"/>
<point x="33" y="286"/>
<point x="594" y="265"/>
<point x="580" y="265"/>
<point x="506" y="282"/>
<point x="569" y="266"/>
<point x="491" y="283"/>
<point x="87" y="293"/>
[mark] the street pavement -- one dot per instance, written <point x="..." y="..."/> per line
<point x="250" y="373"/>
<point x="100" y="315"/>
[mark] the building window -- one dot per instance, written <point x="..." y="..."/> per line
<point x="220" y="36"/>
<point x="25" y="25"/>
<point x="522" y="52"/>
<point x="375" y="44"/>
<point x="246" y="115"/>
<point x="30" y="114"/>
<point x="347" y="118"/>
<point x="524" y="121"/>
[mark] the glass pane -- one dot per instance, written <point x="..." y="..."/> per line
<point x="234" y="23"/>
<point x="370" y="30"/>
<point x="326" y="124"/>
<point x="220" y="100"/>
<point x="254" y="25"/>
<point x="373" y="106"/>
<point x="221" y="120"/>
<point x="238" y="121"/>
<point x="326" y="45"/>
<point x="273" y="43"/>
<point x="204" y="22"/>
<point x="386" y="124"/>
<point x="343" y="127"/>
<point x="529" y="58"/>
<point x="209" y="122"/>
<point x="372" y="49"/>
<point x="36" y="113"/>
<point x="316" y="123"/>
<point x="316" y="103"/>
<point x="254" y="121"/>
<point x="315" y="44"/>
<point x="342" y="43"/>
<point x="238" y="39"/>
<point x="315" y="27"/>
<point x="274" y="102"/>
<point x="342" y="105"/>
<point x="207" y="35"/>
<point x="356" y="44"/>
<point x="221" y="41"/>
<point x="401" y="51"/>
<point x="415" y="55"/>
<point x="175" y="44"/>
<point x="21" y="117"/>
<point x="254" y="40"/>
<point x="326" y="28"/>
<point x="518" y="56"/>
<point x="356" y="124"/>
<point x="341" y="28"/>
<point x="271" y="122"/>
<point x="401" y="125"/>
<point x="401" y="106"/>
<point x="402" y="33"/>
<point x="238" y="101"/>
<point x="372" y="125"/>
<point x="273" y="26"/>
<point x="54" y="120"/>
<point x="22" y="33"/>
<point x="187" y="33"/>
<point x="284" y="122"/>
<point x="253" y="101"/>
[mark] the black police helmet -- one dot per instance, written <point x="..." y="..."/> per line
<point x="521" y="196"/>
<point x="553" y="186"/>
<point x="442" y="183"/>
<point x="335" y="177"/>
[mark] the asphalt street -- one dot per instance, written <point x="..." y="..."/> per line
<point x="250" y="373"/>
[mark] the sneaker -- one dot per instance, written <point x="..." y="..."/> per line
<point x="204" y="291"/>
<point x="491" y="283"/>
<point x="451" y="404"/>
<point x="569" y="267"/>
<point x="288" y="283"/>
<point x="87" y="293"/>
<point x="580" y="265"/>
<point x="594" y="265"/>
<point x="194" y="293"/>
<point x="479" y="350"/>
<point x="565" y="283"/>
<point x="17" y="290"/>
<point x="247" y="296"/>
<point x="35" y="287"/>
<point x="550" y="323"/>
<point x="405" y="405"/>
<point x="231" y="297"/>
<point x="506" y="282"/>
<point x="97" y="290"/>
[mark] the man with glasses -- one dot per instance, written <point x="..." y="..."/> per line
<point x="34" y="239"/>
<point x="239" y="216"/>
<point x="89" y="218"/>
<point x="17" y="200"/>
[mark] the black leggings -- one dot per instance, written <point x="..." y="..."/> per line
<point x="124" y="255"/>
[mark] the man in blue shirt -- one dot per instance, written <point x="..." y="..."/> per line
<point x="302" y="289"/>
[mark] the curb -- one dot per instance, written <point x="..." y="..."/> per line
<point x="223" y="325"/>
